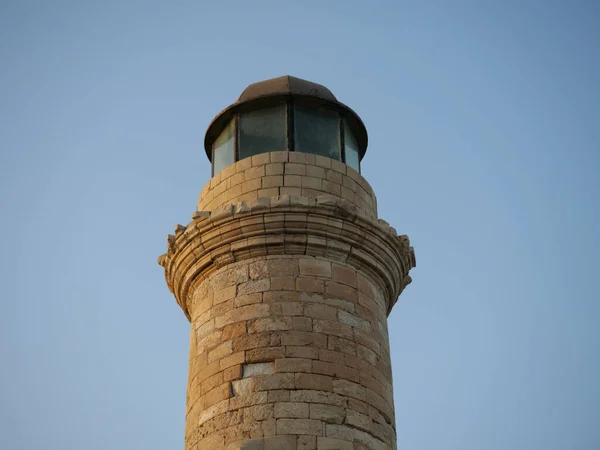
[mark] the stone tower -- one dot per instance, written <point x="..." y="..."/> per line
<point x="287" y="276"/>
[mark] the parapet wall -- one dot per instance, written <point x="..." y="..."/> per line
<point x="288" y="173"/>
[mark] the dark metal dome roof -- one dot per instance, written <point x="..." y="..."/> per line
<point x="276" y="90"/>
<point x="286" y="85"/>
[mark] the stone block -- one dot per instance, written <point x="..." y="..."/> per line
<point x="302" y="323"/>
<point x="254" y="286"/>
<point x="211" y="382"/>
<point x="333" y="328"/>
<point x="313" y="396"/>
<point x="366" y="354"/>
<point x="250" y="341"/>
<point x="251" y="370"/>
<point x="255" y="172"/>
<point x="349" y="389"/>
<point x="368" y="441"/>
<point x="363" y="338"/>
<point x="251" y="185"/>
<point x="269" y="324"/>
<point x="274" y="169"/>
<point x="295" y="169"/>
<point x="297" y="157"/>
<point x="315" y="267"/>
<point x="272" y="181"/>
<point x="280" y="395"/>
<point x="292" y="410"/>
<point x="304" y="338"/>
<point x="358" y="420"/>
<point x="314" y="381"/>
<point x="268" y="193"/>
<point x="335" y="370"/>
<point x="205" y="329"/>
<point x="328" y="443"/>
<point x="281" y="296"/>
<point x="247" y="299"/>
<point x="383" y="405"/>
<point x="327" y="413"/>
<point x="291" y="191"/>
<point x="237" y="179"/>
<point x="232" y="373"/>
<point x="217" y="394"/>
<point x="231" y="360"/>
<point x="266" y="268"/>
<point x="225" y="349"/>
<point x="293" y="365"/>
<point x="362" y="407"/>
<point x="261" y="158"/>
<point x="246" y="444"/>
<point x="306" y="442"/>
<point x="214" y="410"/>
<point x="286" y="309"/>
<point x="320" y="311"/>
<point x="264" y="354"/>
<point x="280" y="442"/>
<point x="283" y="283"/>
<point x="323" y="161"/>
<point x="350" y="319"/>
<point x="292" y="181"/>
<point x="224" y="294"/>
<point x="339" y="431"/>
<point x="342" y="291"/>
<point x="315" y="171"/>
<point x="344" y="275"/>
<point x="331" y="356"/>
<point x="292" y="351"/>
<point x="274" y="381"/>
<point x="300" y="426"/>
<point x="279" y="157"/>
<point x="251" y="399"/>
<point x="306" y="284"/>
<point x="341" y="345"/>
<point x="243" y="313"/>
<point x="258" y="412"/>
<point x="312" y="183"/>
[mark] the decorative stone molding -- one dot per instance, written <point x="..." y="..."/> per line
<point x="325" y="226"/>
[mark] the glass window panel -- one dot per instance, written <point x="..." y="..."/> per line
<point x="351" y="148"/>
<point x="317" y="131"/>
<point x="263" y="130"/>
<point x="224" y="149"/>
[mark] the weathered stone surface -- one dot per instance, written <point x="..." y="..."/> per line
<point x="287" y="277"/>
<point x="292" y="410"/>
<point x="328" y="443"/>
<point x="300" y="426"/>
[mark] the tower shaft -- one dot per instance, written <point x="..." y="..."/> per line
<point x="287" y="284"/>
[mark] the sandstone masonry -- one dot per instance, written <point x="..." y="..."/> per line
<point x="287" y="277"/>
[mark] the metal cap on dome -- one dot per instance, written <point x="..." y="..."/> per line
<point x="286" y="85"/>
<point x="273" y="91"/>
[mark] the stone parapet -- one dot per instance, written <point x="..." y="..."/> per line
<point x="288" y="173"/>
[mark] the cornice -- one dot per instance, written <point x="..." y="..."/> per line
<point x="325" y="226"/>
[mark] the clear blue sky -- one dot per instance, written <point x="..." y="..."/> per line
<point x="484" y="126"/>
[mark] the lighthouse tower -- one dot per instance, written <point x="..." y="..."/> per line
<point x="287" y="276"/>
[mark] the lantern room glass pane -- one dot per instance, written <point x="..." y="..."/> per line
<point x="351" y="148"/>
<point x="317" y="131"/>
<point x="224" y="149"/>
<point x="263" y="130"/>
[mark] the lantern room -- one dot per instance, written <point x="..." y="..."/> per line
<point x="286" y="113"/>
